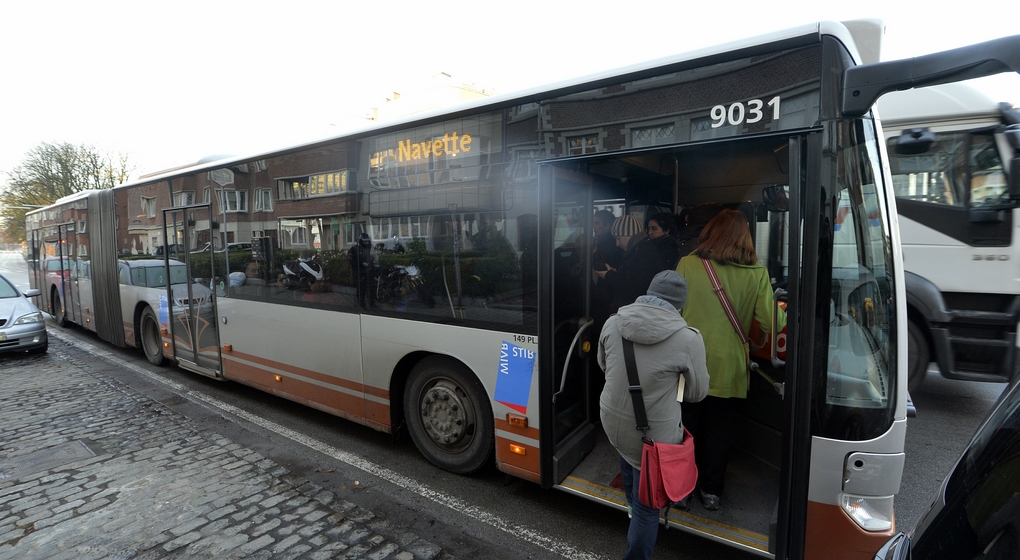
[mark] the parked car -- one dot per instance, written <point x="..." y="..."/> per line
<point x="173" y="249"/>
<point x="22" y="325"/>
<point x="146" y="279"/>
<point x="976" y="512"/>
<point x="239" y="246"/>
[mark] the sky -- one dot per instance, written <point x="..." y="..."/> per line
<point x="169" y="83"/>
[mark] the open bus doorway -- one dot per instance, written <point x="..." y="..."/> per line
<point x="744" y="175"/>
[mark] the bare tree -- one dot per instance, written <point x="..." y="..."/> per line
<point x="51" y="171"/>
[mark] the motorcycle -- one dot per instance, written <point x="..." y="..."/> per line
<point x="400" y="282"/>
<point x="302" y="273"/>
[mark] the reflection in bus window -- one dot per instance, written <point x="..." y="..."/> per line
<point x="940" y="174"/>
<point x="859" y="400"/>
<point x="460" y="268"/>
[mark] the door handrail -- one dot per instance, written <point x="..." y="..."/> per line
<point x="566" y="362"/>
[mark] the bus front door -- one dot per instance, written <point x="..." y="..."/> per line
<point x="566" y="332"/>
<point x="195" y="281"/>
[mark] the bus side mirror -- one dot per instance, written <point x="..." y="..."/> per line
<point x="1013" y="137"/>
<point x="913" y="141"/>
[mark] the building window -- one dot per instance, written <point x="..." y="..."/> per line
<point x="205" y="194"/>
<point x="652" y="136"/>
<point x="184" y="198"/>
<point x="322" y="184"/>
<point x="232" y="200"/>
<point x="149" y="206"/>
<point x="583" y="145"/>
<point x="264" y="200"/>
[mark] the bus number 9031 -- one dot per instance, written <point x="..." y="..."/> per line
<point x="737" y="112"/>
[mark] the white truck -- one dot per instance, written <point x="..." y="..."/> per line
<point x="952" y="151"/>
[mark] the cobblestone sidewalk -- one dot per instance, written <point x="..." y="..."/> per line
<point x="92" y="469"/>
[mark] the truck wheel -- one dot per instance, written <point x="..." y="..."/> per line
<point x="449" y="416"/>
<point x="918" y="356"/>
<point x="152" y="342"/>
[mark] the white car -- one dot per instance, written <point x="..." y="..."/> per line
<point x="22" y="325"/>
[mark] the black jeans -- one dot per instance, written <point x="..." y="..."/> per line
<point x="711" y="423"/>
<point x="366" y="291"/>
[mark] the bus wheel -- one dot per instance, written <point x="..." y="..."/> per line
<point x="152" y="343"/>
<point x="57" y="309"/>
<point x="918" y="356"/>
<point x="449" y="415"/>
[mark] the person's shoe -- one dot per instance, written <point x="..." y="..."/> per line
<point x="685" y="503"/>
<point x="709" y="501"/>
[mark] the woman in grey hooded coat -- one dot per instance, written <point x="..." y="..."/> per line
<point x="665" y="348"/>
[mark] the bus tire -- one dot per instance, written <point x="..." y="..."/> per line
<point x="449" y="416"/>
<point x="57" y="309"/>
<point x="918" y="356"/>
<point x="152" y="342"/>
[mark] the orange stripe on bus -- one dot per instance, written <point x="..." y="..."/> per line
<point x="530" y="433"/>
<point x="318" y="376"/>
<point x="327" y="399"/>
<point x="831" y="534"/>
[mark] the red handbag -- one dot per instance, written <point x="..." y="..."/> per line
<point x="668" y="471"/>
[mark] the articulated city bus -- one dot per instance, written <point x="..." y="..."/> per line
<point x="467" y="324"/>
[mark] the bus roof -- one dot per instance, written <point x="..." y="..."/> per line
<point x="801" y="35"/>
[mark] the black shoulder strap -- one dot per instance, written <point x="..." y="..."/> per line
<point x="635" y="386"/>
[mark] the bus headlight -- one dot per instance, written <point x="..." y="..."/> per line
<point x="871" y="513"/>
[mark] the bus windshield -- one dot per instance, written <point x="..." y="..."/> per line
<point x="859" y="385"/>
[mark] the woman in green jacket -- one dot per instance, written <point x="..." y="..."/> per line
<point x="726" y="246"/>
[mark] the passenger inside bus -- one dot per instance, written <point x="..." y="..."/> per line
<point x="661" y="230"/>
<point x="725" y="259"/>
<point x="630" y="280"/>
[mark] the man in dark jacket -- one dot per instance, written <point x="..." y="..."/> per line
<point x="362" y="263"/>
<point x="641" y="261"/>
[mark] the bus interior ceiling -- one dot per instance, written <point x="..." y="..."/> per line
<point x="724" y="172"/>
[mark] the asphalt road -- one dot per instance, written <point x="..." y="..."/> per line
<point x="491" y="511"/>
<point x="948" y="414"/>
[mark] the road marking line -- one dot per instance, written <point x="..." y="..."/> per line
<point x="516" y="529"/>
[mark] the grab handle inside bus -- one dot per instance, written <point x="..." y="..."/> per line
<point x="573" y="344"/>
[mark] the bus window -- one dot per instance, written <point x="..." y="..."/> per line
<point x="858" y="402"/>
